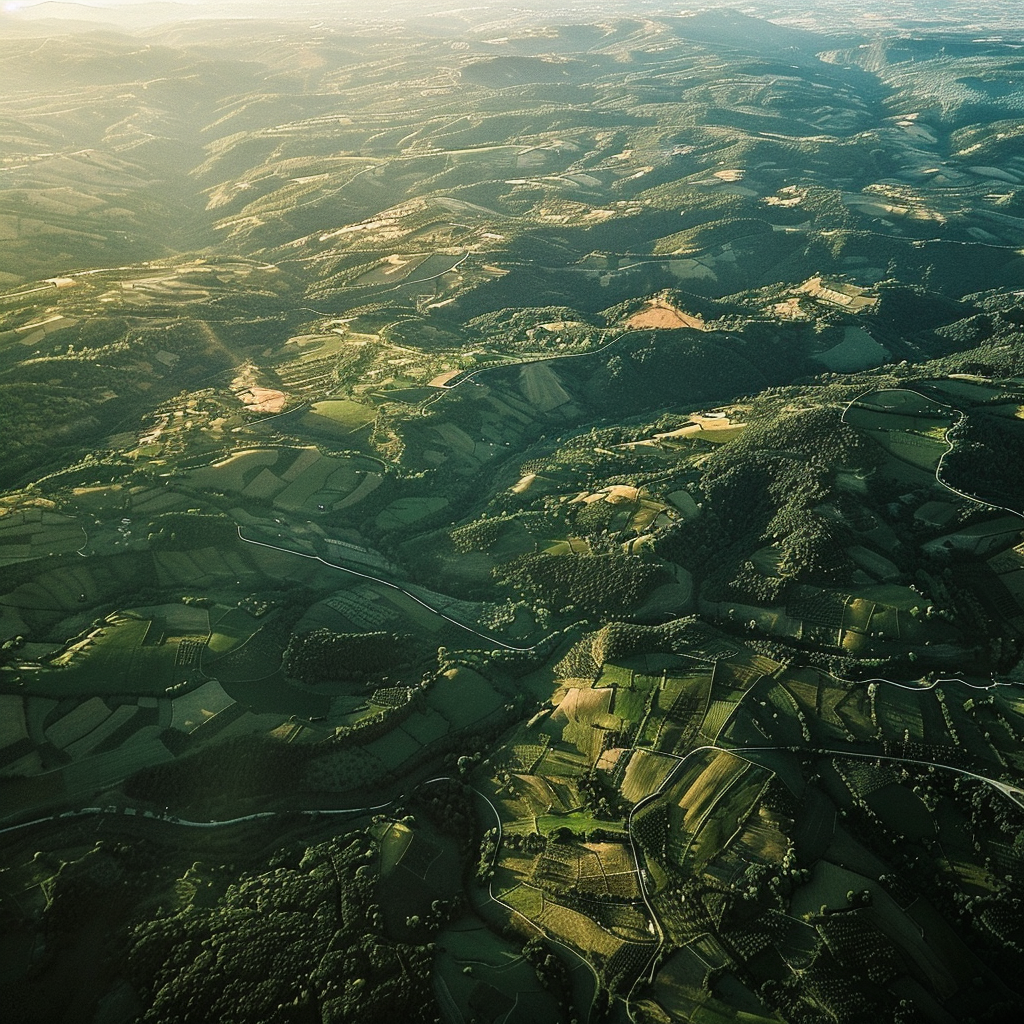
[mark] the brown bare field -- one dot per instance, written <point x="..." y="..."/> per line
<point x="255" y="397"/>
<point x="616" y="494"/>
<point x="764" y="838"/>
<point x="442" y="379"/>
<point x="699" y="797"/>
<point x="847" y="296"/>
<point x="659" y="314"/>
<point x="790" y="309"/>
<point x="533" y="792"/>
<point x="608" y="869"/>
<point x="712" y="427"/>
<point x="258" y="399"/>
<point x="576" y="714"/>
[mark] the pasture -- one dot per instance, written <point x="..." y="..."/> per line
<point x="256" y="657"/>
<point x="680" y="991"/>
<point x="960" y="386"/>
<point x="294" y="479"/>
<point x="115" y="725"/>
<point x="406" y="511"/>
<point x="123" y="655"/>
<point x="907" y="425"/>
<point x="392" y="271"/>
<point x="194" y="709"/>
<point x="902" y="811"/>
<point x="425" y="726"/>
<point x="77" y="723"/>
<point x="394" y="840"/>
<point x="827" y="887"/>
<point x="857" y="351"/>
<point x="99" y="501"/>
<point x="540" y="385"/>
<point x="500" y="980"/>
<point x="33" y="533"/>
<point x="683" y="501"/>
<point x="13" y="728"/>
<point x="338" y="417"/>
<point x="101" y="770"/>
<point x="463" y="697"/>
<point x="230" y="627"/>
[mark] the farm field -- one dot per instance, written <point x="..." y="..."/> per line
<point x="906" y="424"/>
<point x="338" y="416"/>
<point x="125" y="654"/>
<point x="294" y="479"/>
<point x="499" y="975"/>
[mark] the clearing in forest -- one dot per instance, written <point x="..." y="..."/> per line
<point x="660" y="314"/>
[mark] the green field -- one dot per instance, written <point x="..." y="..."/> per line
<point x="910" y="427"/>
<point x="406" y="511"/>
<point x="127" y="654"/>
<point x="230" y="628"/>
<point x="337" y="417"/>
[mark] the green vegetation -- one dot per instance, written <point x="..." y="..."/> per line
<point x="322" y="656"/>
<point x="595" y="584"/>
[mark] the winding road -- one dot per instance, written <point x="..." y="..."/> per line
<point x="393" y="586"/>
<point x="950" y="444"/>
<point x="133" y="812"/>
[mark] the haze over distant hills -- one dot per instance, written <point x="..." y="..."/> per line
<point x="138" y="14"/>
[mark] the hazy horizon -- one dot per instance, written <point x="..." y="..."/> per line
<point x="902" y="15"/>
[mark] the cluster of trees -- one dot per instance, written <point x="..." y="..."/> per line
<point x="707" y="236"/>
<point x="770" y="486"/>
<point x="550" y="970"/>
<point x="669" y="368"/>
<point x="293" y="942"/>
<point x="622" y="639"/>
<point x="181" y="531"/>
<point x="607" y="584"/>
<point x="517" y="327"/>
<point x="227" y="774"/>
<point x="479" y="535"/>
<point x="324" y="656"/>
<point x="988" y="459"/>
<point x="593" y="517"/>
<point x="31" y="418"/>
<point x="79" y="888"/>
<point x="448" y="804"/>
